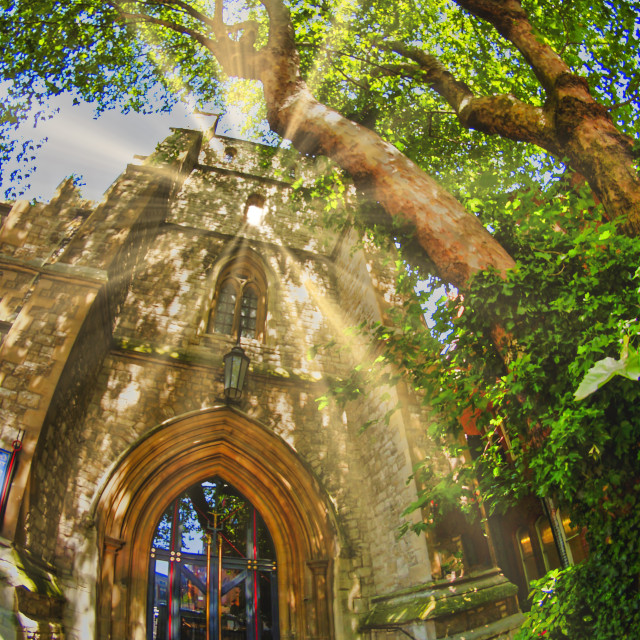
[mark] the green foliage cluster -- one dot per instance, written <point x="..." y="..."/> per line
<point x="570" y="308"/>
<point x="595" y="599"/>
<point x="348" y="70"/>
<point x="78" y="46"/>
<point x="573" y="300"/>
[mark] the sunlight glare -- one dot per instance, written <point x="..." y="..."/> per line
<point x="255" y="215"/>
<point x="129" y="396"/>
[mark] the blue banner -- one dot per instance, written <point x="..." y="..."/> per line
<point x="5" y="459"/>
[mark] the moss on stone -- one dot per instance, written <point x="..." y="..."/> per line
<point x="436" y="600"/>
<point x="34" y="577"/>
<point x="204" y="357"/>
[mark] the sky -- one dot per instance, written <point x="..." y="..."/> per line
<point x="99" y="149"/>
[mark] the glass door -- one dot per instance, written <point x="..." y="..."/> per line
<point x="212" y="570"/>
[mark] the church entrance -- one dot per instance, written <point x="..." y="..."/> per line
<point x="212" y="569"/>
<point x="191" y="522"/>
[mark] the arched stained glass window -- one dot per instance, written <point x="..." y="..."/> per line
<point x="212" y="569"/>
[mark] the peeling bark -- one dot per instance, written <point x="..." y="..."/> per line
<point x="572" y="126"/>
<point x="502" y="115"/>
<point x="455" y="241"/>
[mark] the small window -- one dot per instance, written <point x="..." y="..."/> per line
<point x="576" y="551"/>
<point x="526" y="554"/>
<point x="239" y="306"/>
<point x="575" y="544"/>
<point x="230" y="154"/>
<point x="254" y="210"/>
<point x="226" y="307"/>
<point x="249" y="312"/>
<point x="547" y="544"/>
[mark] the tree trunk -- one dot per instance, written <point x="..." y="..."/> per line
<point x="597" y="150"/>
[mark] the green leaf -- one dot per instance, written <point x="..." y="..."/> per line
<point x="605" y="369"/>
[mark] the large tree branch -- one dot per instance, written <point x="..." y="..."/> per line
<point x="219" y="27"/>
<point x="572" y="123"/>
<point x="454" y="240"/>
<point x="503" y="115"/>
<point x="433" y="72"/>
<point x="281" y="34"/>
<point x="511" y="21"/>
<point x="128" y="17"/>
<point x="237" y="58"/>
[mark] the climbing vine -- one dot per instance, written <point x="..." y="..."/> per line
<point x="571" y="304"/>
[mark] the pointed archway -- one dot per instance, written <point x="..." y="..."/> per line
<point x="170" y="459"/>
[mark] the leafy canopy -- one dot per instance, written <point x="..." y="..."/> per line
<point x="346" y="55"/>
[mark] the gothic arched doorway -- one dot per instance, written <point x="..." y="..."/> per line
<point x="215" y="444"/>
<point x="212" y="569"/>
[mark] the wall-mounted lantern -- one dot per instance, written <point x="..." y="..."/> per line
<point x="236" y="363"/>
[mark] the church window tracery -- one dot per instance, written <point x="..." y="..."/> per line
<point x="240" y="301"/>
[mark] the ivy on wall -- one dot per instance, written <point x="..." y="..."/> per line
<point x="568" y="317"/>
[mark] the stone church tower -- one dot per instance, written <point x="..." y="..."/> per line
<point x="146" y="504"/>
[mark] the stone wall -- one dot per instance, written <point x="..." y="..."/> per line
<point x="58" y="310"/>
<point x="366" y="285"/>
<point x="77" y="310"/>
<point x="37" y="233"/>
